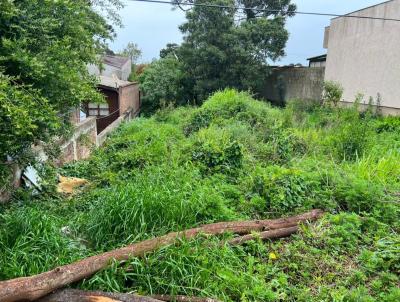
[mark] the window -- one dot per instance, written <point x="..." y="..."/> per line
<point x="98" y="109"/>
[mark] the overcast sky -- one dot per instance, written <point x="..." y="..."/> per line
<point x="152" y="26"/>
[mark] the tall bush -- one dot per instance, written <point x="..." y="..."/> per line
<point x="44" y="51"/>
<point x="332" y="93"/>
<point x="162" y="83"/>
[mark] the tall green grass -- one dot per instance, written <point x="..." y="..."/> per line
<point x="233" y="158"/>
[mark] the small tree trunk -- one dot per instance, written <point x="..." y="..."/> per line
<point x="280" y="233"/>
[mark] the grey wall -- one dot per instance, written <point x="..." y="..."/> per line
<point x="364" y="54"/>
<point x="286" y="83"/>
<point x="108" y="70"/>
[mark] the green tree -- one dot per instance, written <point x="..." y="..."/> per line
<point x="21" y="121"/>
<point x="132" y="51"/>
<point x="170" y="49"/>
<point x="45" y="47"/>
<point x="161" y="83"/>
<point x="231" y="47"/>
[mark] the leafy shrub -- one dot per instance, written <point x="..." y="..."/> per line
<point x="333" y="93"/>
<point x="351" y="137"/>
<point x="200" y="119"/>
<point x="21" y="123"/>
<point x="283" y="190"/>
<point x="283" y="145"/>
<point x="161" y="84"/>
<point x="388" y="124"/>
<point x="217" y="151"/>
<point x="227" y="106"/>
<point x="130" y="149"/>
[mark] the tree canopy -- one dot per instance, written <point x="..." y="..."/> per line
<point x="45" y="47"/>
<point x="132" y="51"/>
<point x="161" y="84"/>
<point x="232" y="46"/>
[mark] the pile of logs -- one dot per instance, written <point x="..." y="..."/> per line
<point x="38" y="286"/>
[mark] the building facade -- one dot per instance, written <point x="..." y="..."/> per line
<point x="364" y="55"/>
<point x="112" y="66"/>
<point x="122" y="98"/>
<point x="319" y="61"/>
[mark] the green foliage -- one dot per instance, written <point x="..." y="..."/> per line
<point x="132" y="51"/>
<point x="161" y="84"/>
<point x="217" y="151"/>
<point x="169" y="50"/>
<point x="199" y="269"/>
<point x="233" y="158"/>
<point x="218" y="52"/>
<point x="228" y="106"/>
<point x="21" y="122"/>
<point x="44" y="51"/>
<point x="283" y="189"/>
<point x="389" y="124"/>
<point x="333" y="93"/>
<point x="156" y="201"/>
<point x="352" y="136"/>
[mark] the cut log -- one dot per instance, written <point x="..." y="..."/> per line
<point x="280" y="233"/>
<point x="167" y="298"/>
<point x="34" y="287"/>
<point x="74" y="295"/>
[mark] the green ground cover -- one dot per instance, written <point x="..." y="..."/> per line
<point x="233" y="158"/>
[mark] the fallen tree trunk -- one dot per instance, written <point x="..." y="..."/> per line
<point x="34" y="287"/>
<point x="280" y="233"/>
<point x="74" y="295"/>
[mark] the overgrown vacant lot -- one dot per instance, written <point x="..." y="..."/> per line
<point x="233" y="158"/>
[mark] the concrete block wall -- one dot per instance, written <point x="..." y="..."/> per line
<point x="81" y="143"/>
<point x="287" y="83"/>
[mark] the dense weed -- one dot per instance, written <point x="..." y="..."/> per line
<point x="232" y="158"/>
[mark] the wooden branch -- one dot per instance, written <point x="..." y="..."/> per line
<point x="34" y="287"/>
<point x="280" y="233"/>
<point x="74" y="295"/>
<point x="167" y="298"/>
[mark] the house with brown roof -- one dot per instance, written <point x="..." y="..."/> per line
<point x="112" y="65"/>
<point x="122" y="100"/>
<point x="122" y="97"/>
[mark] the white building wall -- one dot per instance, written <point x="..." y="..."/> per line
<point x="364" y="54"/>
